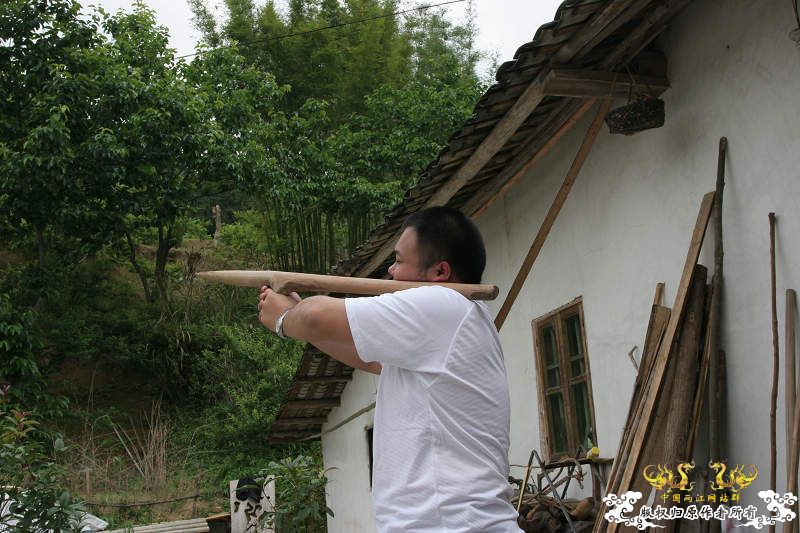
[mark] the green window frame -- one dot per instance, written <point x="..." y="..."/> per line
<point x="566" y="407"/>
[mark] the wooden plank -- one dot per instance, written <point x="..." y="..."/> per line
<point x="662" y="358"/>
<point x="675" y="406"/>
<point x="599" y="84"/>
<point x="714" y="315"/>
<point x="702" y="382"/>
<point x="493" y="142"/>
<point x="558" y="125"/>
<point x="659" y="297"/>
<point x="552" y="213"/>
<point x="659" y="318"/>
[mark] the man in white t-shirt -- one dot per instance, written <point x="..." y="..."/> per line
<point x="442" y="413"/>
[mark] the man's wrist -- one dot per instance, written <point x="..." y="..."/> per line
<point x="279" y="324"/>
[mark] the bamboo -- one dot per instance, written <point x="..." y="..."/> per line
<point x="773" y="406"/>
<point x="287" y="282"/>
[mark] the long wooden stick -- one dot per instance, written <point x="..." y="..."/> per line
<point x="552" y="213"/>
<point x="773" y="405"/>
<point x="793" y="448"/>
<point x="793" y="414"/>
<point x="286" y="282"/>
<point x="714" y="407"/>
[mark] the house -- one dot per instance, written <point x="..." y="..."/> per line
<point x="724" y="68"/>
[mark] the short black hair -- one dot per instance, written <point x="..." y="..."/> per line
<point x="447" y="234"/>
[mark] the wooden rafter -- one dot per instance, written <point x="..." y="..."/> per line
<point x="552" y="213"/>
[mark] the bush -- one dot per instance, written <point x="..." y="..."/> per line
<point x="32" y="499"/>
<point x="299" y="495"/>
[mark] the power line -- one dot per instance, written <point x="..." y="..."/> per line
<point x="315" y="30"/>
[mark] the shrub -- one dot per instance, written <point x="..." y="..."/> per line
<point x="32" y="497"/>
<point x="299" y="495"/>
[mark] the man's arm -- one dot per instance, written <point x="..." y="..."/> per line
<point x="320" y="320"/>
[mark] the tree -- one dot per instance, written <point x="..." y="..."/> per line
<point x="340" y="65"/>
<point x="186" y="133"/>
<point x="46" y="71"/>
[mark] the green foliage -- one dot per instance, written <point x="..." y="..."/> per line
<point x="338" y="65"/>
<point x="299" y="495"/>
<point x="240" y="381"/>
<point x="20" y="369"/>
<point x="32" y="497"/>
<point x="112" y="153"/>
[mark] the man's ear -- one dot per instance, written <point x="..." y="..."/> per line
<point x="440" y="271"/>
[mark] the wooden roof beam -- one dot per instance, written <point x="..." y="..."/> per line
<point x="597" y="84"/>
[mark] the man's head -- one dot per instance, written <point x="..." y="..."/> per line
<point x="439" y="244"/>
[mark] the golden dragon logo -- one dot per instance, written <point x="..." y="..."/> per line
<point x="661" y="477"/>
<point x="736" y="480"/>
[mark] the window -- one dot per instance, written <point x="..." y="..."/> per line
<point x="565" y="386"/>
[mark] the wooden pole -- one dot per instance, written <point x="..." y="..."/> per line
<point x="793" y="448"/>
<point x="287" y="282"/>
<point x="552" y="213"/>
<point x="790" y="398"/>
<point x="714" y="325"/>
<point x="773" y="406"/>
<point x="714" y="328"/>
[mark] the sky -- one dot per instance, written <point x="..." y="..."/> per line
<point x="503" y="25"/>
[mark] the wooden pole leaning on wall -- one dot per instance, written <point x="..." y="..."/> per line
<point x="773" y="404"/>
<point x="711" y="359"/>
<point x="552" y="213"/>
<point x="793" y="414"/>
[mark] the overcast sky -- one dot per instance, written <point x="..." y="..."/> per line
<point x="503" y="25"/>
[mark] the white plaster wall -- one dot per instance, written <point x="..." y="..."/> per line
<point x="346" y="453"/>
<point x="628" y="220"/>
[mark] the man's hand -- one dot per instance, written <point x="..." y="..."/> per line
<point x="271" y="305"/>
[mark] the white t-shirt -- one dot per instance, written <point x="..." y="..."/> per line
<point x="442" y="415"/>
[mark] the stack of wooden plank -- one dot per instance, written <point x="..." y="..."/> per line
<point x="668" y="393"/>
